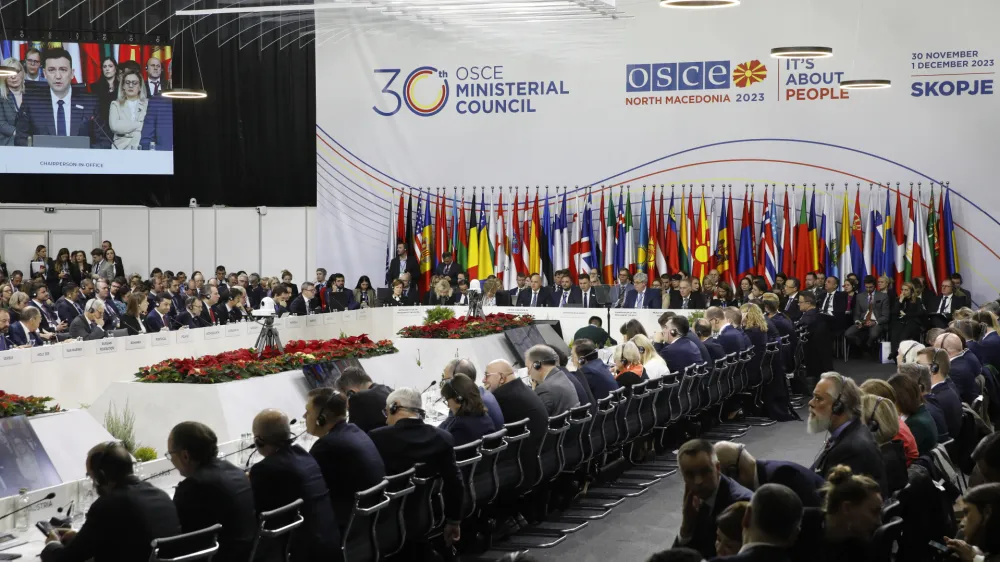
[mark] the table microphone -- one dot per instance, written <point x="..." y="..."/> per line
<point x="48" y="496"/>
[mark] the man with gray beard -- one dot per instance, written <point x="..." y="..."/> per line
<point x="835" y="408"/>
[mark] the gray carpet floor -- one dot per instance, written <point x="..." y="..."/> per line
<point x="641" y="526"/>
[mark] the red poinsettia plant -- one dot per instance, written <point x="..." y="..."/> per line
<point x="244" y="363"/>
<point x="16" y="405"/>
<point x="467" y="327"/>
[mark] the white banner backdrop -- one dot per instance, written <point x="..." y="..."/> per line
<point x="672" y="97"/>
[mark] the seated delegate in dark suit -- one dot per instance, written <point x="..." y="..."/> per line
<point x="213" y="491"/>
<point x="68" y="309"/>
<point x="42" y="108"/>
<point x="469" y="420"/>
<point x="570" y="294"/>
<point x="231" y="310"/>
<point x="703" y="483"/>
<point x="127" y="515"/>
<point x="302" y="305"/>
<point x="191" y="316"/>
<point x="588" y="294"/>
<point x="680" y="352"/>
<point x="88" y="324"/>
<point x="685" y="299"/>
<point x="440" y="295"/>
<point x="158" y="126"/>
<point x="534" y="295"/>
<point x="641" y="296"/>
<point x="346" y="455"/>
<point x="737" y="463"/>
<point x="836" y="404"/>
<point x="943" y="307"/>
<point x="365" y="399"/>
<point x="517" y="402"/>
<point x="407" y="440"/>
<point x="344" y="299"/>
<point x="287" y="473"/>
<point x="770" y="526"/>
<point x="158" y="318"/>
<point x="596" y="373"/>
<point x="25" y="331"/>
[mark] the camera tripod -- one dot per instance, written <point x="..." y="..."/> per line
<point x="268" y="337"/>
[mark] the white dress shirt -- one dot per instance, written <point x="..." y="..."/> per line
<point x="67" y="110"/>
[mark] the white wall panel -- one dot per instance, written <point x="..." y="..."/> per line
<point x="237" y="239"/>
<point x="204" y="242"/>
<point x="283" y="242"/>
<point x="17" y="217"/>
<point x="311" y="243"/>
<point x="171" y="238"/>
<point x="126" y="228"/>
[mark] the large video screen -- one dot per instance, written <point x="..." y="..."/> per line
<point x="86" y="108"/>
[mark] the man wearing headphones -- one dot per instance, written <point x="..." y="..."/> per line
<point x="40" y="300"/>
<point x="213" y="491"/>
<point x="467" y="368"/>
<point x="751" y="473"/>
<point x="365" y="398"/>
<point x="407" y="440"/>
<point x="518" y="402"/>
<point x="287" y="473"/>
<point x="680" y="352"/>
<point x="551" y="384"/>
<point x="941" y="394"/>
<point x="346" y="455"/>
<point x="835" y="408"/>
<point x="963" y="366"/>
<point x="26" y="331"/>
<point x="88" y="325"/>
<point x="127" y="515"/>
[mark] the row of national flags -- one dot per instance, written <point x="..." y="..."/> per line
<point x="690" y="230"/>
<point x="87" y="57"/>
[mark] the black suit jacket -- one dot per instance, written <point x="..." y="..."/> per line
<point x="38" y="118"/>
<point x="575" y="296"/>
<point x="791" y="308"/>
<point x="801" y="480"/>
<point x="714" y="349"/>
<point x="187" y="319"/>
<point x="696" y="300"/>
<point x="411" y="441"/>
<point x="503" y="298"/>
<point x="703" y="535"/>
<point x="761" y="553"/>
<point x="856" y="448"/>
<point x="543" y="299"/>
<point x="132" y="324"/>
<point x="680" y="355"/>
<point x="412" y="266"/>
<point x="290" y="474"/>
<point x="225" y="316"/>
<point x="67" y="310"/>
<point x="298" y="306"/>
<point x="453" y="270"/>
<point x="517" y="401"/>
<point x="836" y="317"/>
<point x="81" y="328"/>
<point x="219" y="492"/>
<point x="944" y="397"/>
<point x="818" y="352"/>
<point x="120" y="525"/>
<point x="365" y="407"/>
<point x="433" y="299"/>
<point x="154" y="322"/>
<point x="350" y="463"/>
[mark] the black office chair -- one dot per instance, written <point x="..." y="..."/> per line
<point x="485" y="481"/>
<point x="358" y="542"/>
<point x="575" y="453"/>
<point x="467" y="457"/>
<point x="511" y="474"/>
<point x="390" y="528"/>
<point x="419" y="513"/>
<point x="289" y="513"/>
<point x="885" y="539"/>
<point x="196" y="545"/>
<point x="550" y="456"/>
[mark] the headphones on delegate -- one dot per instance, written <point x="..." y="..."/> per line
<point x="97" y="463"/>
<point x="589" y="357"/>
<point x="838" y="408"/>
<point x="447" y="383"/>
<point x="934" y="367"/>
<point x="395" y="407"/>
<point x="321" y="417"/>
<point x="734" y="470"/>
<point x="873" y="425"/>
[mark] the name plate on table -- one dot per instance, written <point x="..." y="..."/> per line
<point x="135" y="342"/>
<point x="294" y="322"/>
<point x="107" y="345"/>
<point x="160" y="338"/>
<point x="313" y="320"/>
<point x="576" y="313"/>
<point x="72" y="349"/>
<point x="185" y="336"/>
<point x="331" y="318"/>
<point x="349" y="315"/>
<point x="213" y="332"/>
<point x="409" y="314"/>
<point x="253" y="329"/>
<point x="520" y="310"/>
<point x="11" y="357"/>
<point x="234" y="330"/>
<point x="44" y="353"/>
<point x="364" y="314"/>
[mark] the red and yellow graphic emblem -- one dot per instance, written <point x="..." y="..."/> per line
<point x="749" y="73"/>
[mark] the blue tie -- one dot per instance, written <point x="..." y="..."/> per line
<point x="61" y="119"/>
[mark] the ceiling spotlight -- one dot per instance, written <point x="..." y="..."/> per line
<point x="698" y="4"/>
<point x="801" y="52"/>
<point x="184" y="94"/>
<point x="865" y="84"/>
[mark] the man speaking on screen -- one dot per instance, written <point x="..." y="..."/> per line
<point x="60" y="110"/>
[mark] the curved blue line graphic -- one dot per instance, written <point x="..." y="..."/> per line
<point x="710" y="145"/>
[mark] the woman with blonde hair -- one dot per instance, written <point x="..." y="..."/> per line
<point x="880" y="415"/>
<point x="442" y="295"/>
<point x="775" y="393"/>
<point x="628" y="365"/>
<point x="16" y="304"/>
<point x="127" y="113"/>
<point x="655" y="366"/>
<point x="878" y="388"/>
<point x="493" y="293"/>
<point x="11" y="98"/>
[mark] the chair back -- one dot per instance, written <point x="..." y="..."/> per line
<point x="358" y="542"/>
<point x="196" y="545"/>
<point x="419" y="513"/>
<point x="598" y="438"/>
<point x="485" y="481"/>
<point x="647" y="409"/>
<point x="467" y="458"/>
<point x="391" y="529"/>
<point x="664" y="399"/>
<point x="550" y="454"/>
<point x="885" y="538"/>
<point x="613" y="433"/>
<point x="511" y="470"/>
<point x="633" y="425"/>
<point x="574" y="453"/>
<point x="287" y="518"/>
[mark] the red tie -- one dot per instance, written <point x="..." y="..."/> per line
<point x="211" y="314"/>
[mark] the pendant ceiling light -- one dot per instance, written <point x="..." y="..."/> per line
<point x="875" y="84"/>
<point x="801" y="52"/>
<point x="7" y="71"/>
<point x="699" y="4"/>
<point x="182" y="93"/>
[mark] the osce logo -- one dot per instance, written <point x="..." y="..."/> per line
<point x="683" y="76"/>
<point x="425" y="91"/>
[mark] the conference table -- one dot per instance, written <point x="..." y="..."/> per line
<point x="75" y="373"/>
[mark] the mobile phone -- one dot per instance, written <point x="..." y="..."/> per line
<point x="44" y="527"/>
<point x="938" y="546"/>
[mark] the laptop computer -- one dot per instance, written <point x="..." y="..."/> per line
<point x="55" y="141"/>
<point x="338" y="301"/>
<point x="383" y="294"/>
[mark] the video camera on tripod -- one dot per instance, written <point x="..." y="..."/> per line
<point x="268" y="337"/>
